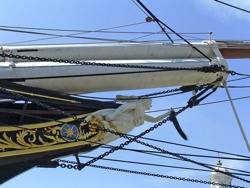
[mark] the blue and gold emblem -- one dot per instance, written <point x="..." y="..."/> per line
<point x="69" y="132"/>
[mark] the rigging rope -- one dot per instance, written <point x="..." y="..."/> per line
<point x="238" y="87"/>
<point x="142" y="10"/>
<point x="192" y="102"/>
<point x="158" y="94"/>
<point x="154" y="153"/>
<point x="151" y="111"/>
<point x="79" y="32"/>
<point x="104" y="30"/>
<point x="67" y="36"/>
<point x="160" y="23"/>
<point x="88" y="163"/>
<point x="135" y="139"/>
<point x="212" y="68"/>
<point x="203" y="104"/>
<point x="74" y="165"/>
<point x="156" y="165"/>
<point x="154" y="18"/>
<point x="239" y="74"/>
<point x="237" y="117"/>
<point x="242" y="157"/>
<point x="244" y="78"/>
<point x="144" y="36"/>
<point x="232" y="6"/>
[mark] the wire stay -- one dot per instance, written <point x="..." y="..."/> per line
<point x="232" y="6"/>
<point x="237" y="117"/>
<point x="161" y="24"/>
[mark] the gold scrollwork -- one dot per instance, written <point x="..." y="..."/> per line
<point x="28" y="140"/>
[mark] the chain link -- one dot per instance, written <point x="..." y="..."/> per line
<point x="208" y="69"/>
<point x="160" y="93"/>
<point x="192" y="102"/>
<point x="74" y="165"/>
<point x="75" y="118"/>
<point x="168" y="152"/>
<point x="233" y="73"/>
<point x="118" y="134"/>
<point x="49" y="107"/>
<point x="130" y="140"/>
<point x="89" y="163"/>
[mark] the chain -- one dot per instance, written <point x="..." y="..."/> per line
<point x="65" y="113"/>
<point x="102" y="129"/>
<point x="112" y="150"/>
<point x="192" y="102"/>
<point x="160" y="93"/>
<point x="70" y="115"/>
<point x="74" y="165"/>
<point x="213" y="68"/>
<point x="233" y="73"/>
<point x="130" y="140"/>
<point x="119" y="134"/>
<point x="157" y="94"/>
<point x="170" y="153"/>
<point x="184" y="89"/>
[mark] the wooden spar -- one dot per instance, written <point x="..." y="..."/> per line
<point x="86" y="79"/>
<point x="112" y="51"/>
<point x="132" y="51"/>
<point x="73" y="79"/>
<point x="234" y="50"/>
<point x="235" y="53"/>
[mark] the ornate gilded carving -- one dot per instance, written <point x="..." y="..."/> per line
<point x="39" y="137"/>
<point x="72" y="132"/>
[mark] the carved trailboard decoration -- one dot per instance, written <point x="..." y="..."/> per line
<point x="43" y="137"/>
<point x="81" y="130"/>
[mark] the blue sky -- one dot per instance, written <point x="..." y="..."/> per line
<point x="208" y="126"/>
